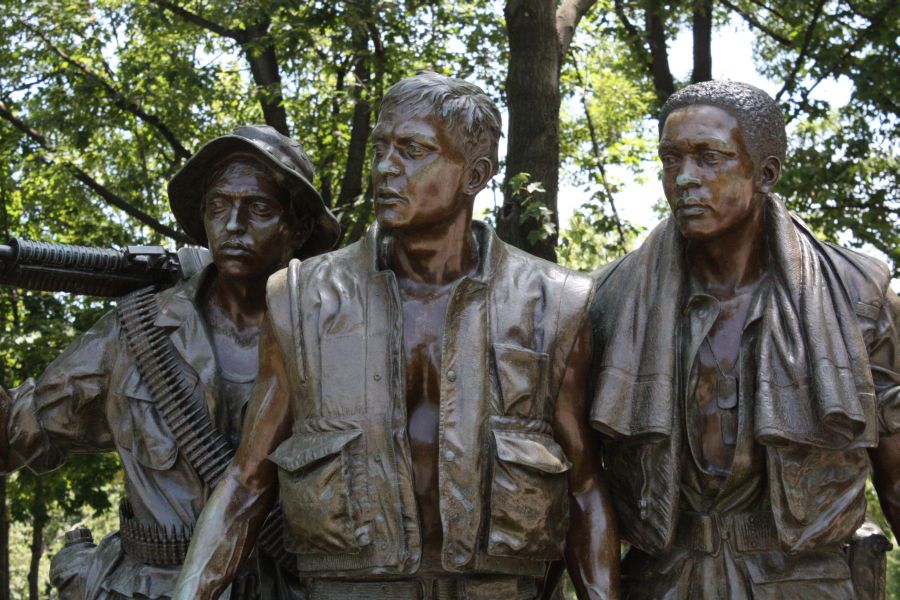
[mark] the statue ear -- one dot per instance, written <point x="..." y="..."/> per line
<point x="302" y="229"/>
<point x="478" y="176"/>
<point x="768" y="175"/>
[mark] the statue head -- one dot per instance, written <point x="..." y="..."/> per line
<point x="435" y="148"/>
<point x="758" y="115"/>
<point x="722" y="145"/>
<point x="252" y="162"/>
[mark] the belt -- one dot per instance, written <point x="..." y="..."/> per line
<point x="425" y="588"/>
<point x="151" y="543"/>
<point x="748" y="531"/>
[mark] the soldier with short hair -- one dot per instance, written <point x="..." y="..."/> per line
<point x="421" y="394"/>
<point x="746" y="374"/>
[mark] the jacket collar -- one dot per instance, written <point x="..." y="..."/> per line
<point x="489" y="247"/>
<point x="183" y="299"/>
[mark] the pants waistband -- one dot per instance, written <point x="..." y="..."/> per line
<point x="748" y="531"/>
<point x="425" y="588"/>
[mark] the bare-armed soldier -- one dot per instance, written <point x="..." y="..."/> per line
<point x="421" y="394"/>
<point x="184" y="355"/>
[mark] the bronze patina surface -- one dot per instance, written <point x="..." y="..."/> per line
<point x="247" y="197"/>
<point x="746" y="374"/>
<point x="420" y="407"/>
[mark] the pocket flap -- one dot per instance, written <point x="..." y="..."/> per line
<point x="302" y="449"/>
<point x="536" y="450"/>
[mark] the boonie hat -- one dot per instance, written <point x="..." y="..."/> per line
<point x="279" y="152"/>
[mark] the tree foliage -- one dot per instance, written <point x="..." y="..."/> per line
<point x="101" y="102"/>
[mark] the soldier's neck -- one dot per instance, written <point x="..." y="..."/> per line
<point x="240" y="300"/>
<point x="438" y="255"/>
<point x="732" y="262"/>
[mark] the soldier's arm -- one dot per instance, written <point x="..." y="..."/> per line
<point x="884" y="359"/>
<point x="886" y="477"/>
<point x="64" y="410"/>
<point x="592" y="544"/>
<point x="229" y="524"/>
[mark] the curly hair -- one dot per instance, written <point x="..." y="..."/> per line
<point x="757" y="113"/>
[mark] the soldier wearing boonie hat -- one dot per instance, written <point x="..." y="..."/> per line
<point x="249" y="197"/>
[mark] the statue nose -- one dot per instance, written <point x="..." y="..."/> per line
<point x="686" y="179"/>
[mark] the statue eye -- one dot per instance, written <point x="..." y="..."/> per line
<point x="262" y="209"/>
<point x="416" y="151"/>
<point x="711" y="158"/>
<point x="669" y="160"/>
<point x="215" y="205"/>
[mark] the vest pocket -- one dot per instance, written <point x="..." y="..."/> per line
<point x="522" y="376"/>
<point x="314" y="479"/>
<point x="529" y="505"/>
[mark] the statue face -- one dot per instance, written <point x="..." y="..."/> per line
<point x="248" y="231"/>
<point x="708" y="175"/>
<point x="417" y="172"/>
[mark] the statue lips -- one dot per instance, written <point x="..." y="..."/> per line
<point x="234" y="248"/>
<point x="387" y="197"/>
<point x="690" y="207"/>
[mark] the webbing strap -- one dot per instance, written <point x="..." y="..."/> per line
<point x="203" y="446"/>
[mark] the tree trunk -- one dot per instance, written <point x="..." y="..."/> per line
<point x="39" y="519"/>
<point x="351" y="182"/>
<point x="260" y="54"/>
<point x="4" y="543"/>
<point x="702" y="31"/>
<point x="655" y="24"/>
<point x="532" y="91"/>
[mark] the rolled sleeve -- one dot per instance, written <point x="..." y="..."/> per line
<point x="63" y="410"/>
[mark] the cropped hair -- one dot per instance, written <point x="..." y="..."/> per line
<point x="757" y="113"/>
<point x="467" y="111"/>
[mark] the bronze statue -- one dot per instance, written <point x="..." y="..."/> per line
<point x="421" y="394"/>
<point x="746" y="373"/>
<point x="131" y="383"/>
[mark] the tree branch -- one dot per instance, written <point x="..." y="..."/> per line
<point x="702" y="19"/>
<point x="774" y="11"/>
<point x="238" y="35"/>
<point x="260" y="54"/>
<point x="633" y="36"/>
<point x="875" y="22"/>
<point x="756" y="24"/>
<point x="791" y="80"/>
<point x="663" y="81"/>
<point x="598" y="157"/>
<point x="109" y="196"/>
<point x="117" y="97"/>
<point x="568" y="15"/>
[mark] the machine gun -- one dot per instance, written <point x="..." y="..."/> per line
<point x="93" y="271"/>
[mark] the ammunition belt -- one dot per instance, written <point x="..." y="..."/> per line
<point x="207" y="450"/>
<point x="150" y="543"/>
<point x="160" y="368"/>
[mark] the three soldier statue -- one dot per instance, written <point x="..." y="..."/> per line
<point x="430" y="413"/>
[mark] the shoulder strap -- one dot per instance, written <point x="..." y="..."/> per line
<point x="283" y="305"/>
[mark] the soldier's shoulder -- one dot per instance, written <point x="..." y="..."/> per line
<point x="522" y="264"/>
<point x="864" y="276"/>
